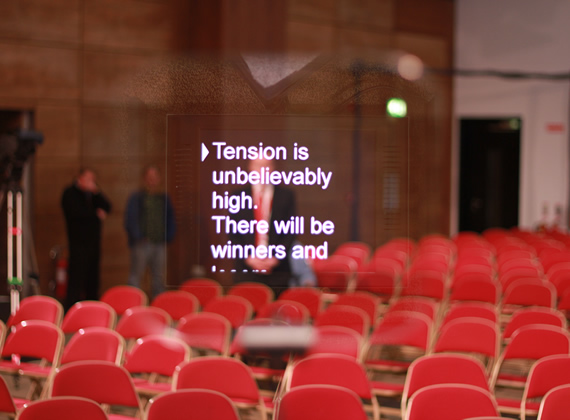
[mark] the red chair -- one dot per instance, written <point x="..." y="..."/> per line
<point x="236" y="309"/>
<point x="288" y="311"/>
<point x="321" y="402"/>
<point x="310" y="297"/>
<point x="345" y="316"/>
<point x="94" y="343"/>
<point x="451" y="402"/>
<point x="515" y="275"/>
<point x="140" y="321"/>
<point x="205" y="333"/>
<point x="560" y="278"/>
<point x="400" y="338"/>
<point x="43" y="308"/>
<point x="478" y="290"/>
<point x="529" y="293"/>
<point x="176" y="303"/>
<point x="123" y="297"/>
<point x="533" y="315"/>
<point x="479" y="271"/>
<point x="258" y="294"/>
<point x="556" y="404"/>
<point x="379" y="276"/>
<point x="336" y="274"/>
<point x="429" y="284"/>
<point x="401" y="328"/>
<point x="366" y="301"/>
<point x="102" y="382"/>
<point x="339" y="370"/>
<point x="63" y="408"/>
<point x="426" y="306"/>
<point x="470" y="335"/>
<point x="230" y="376"/>
<point x="442" y="369"/>
<point x="335" y="339"/>
<point x="516" y="254"/>
<point x="152" y="362"/>
<point x="9" y="405"/>
<point x="358" y="251"/>
<point x="471" y="309"/>
<point x="203" y="288"/>
<point x="399" y="256"/>
<point x="403" y="244"/>
<point x="530" y="342"/>
<point x="191" y="404"/>
<point x="545" y="374"/>
<point x="39" y="341"/>
<point x="551" y="259"/>
<point x="436" y="262"/>
<point x="518" y="263"/>
<point x="88" y="314"/>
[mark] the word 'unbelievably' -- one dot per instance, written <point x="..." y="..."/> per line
<point x="267" y="176"/>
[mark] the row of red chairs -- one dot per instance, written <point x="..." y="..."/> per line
<point x="311" y="402"/>
<point x="110" y="384"/>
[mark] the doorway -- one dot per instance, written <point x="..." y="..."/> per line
<point x="489" y="173"/>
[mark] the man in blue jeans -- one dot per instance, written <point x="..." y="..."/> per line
<point x="150" y="225"/>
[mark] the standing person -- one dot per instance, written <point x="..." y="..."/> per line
<point x="150" y="225"/>
<point x="272" y="203"/>
<point x="84" y="207"/>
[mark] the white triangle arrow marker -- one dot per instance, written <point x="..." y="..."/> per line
<point x="205" y="152"/>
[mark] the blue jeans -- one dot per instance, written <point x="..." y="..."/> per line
<point x="151" y="255"/>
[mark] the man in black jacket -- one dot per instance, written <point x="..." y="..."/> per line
<point x="84" y="207"/>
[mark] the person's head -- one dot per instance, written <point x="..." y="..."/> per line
<point x="151" y="178"/>
<point x="87" y="180"/>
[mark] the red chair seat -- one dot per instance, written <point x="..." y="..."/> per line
<point x="31" y="369"/>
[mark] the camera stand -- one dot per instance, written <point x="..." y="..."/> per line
<point x="14" y="236"/>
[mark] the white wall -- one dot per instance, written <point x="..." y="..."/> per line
<point x="527" y="36"/>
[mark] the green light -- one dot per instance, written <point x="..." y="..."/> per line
<point x="396" y="108"/>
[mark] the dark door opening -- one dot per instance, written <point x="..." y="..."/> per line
<point x="489" y="173"/>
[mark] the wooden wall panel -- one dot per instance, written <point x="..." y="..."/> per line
<point x="128" y="24"/>
<point x="50" y="179"/>
<point x="40" y="20"/>
<point x="377" y="14"/>
<point x="107" y="133"/>
<point x="351" y="39"/>
<point x="310" y="37"/>
<point x="313" y="10"/>
<point x="108" y="78"/>
<point x="60" y="125"/>
<point x="433" y="17"/>
<point x="434" y="51"/>
<point x="255" y="25"/>
<point x="29" y="71"/>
